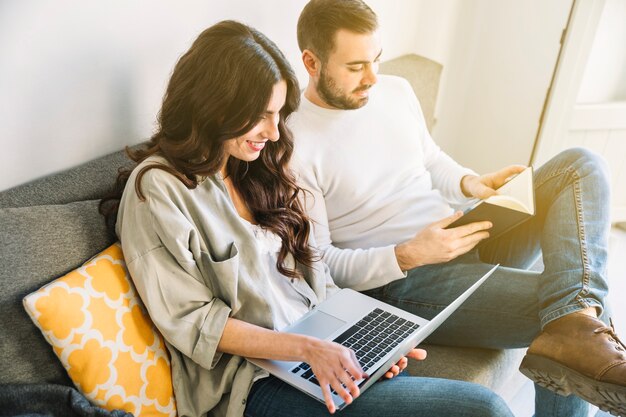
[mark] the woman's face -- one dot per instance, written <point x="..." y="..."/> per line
<point x="249" y="146"/>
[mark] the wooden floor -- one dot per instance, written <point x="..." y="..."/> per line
<point x="522" y="405"/>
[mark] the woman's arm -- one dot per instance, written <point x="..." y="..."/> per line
<point x="331" y="363"/>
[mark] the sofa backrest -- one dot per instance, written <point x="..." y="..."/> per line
<point x="424" y="75"/>
<point x="88" y="181"/>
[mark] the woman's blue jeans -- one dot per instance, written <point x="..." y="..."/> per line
<point x="402" y="396"/>
<point x="570" y="231"/>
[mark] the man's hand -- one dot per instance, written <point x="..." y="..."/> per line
<point x="485" y="186"/>
<point x="417" y="354"/>
<point x="436" y="244"/>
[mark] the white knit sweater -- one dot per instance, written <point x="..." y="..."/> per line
<point x="376" y="178"/>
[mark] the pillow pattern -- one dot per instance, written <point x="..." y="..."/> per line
<point x="97" y="326"/>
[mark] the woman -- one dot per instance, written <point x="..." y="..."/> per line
<point x="217" y="244"/>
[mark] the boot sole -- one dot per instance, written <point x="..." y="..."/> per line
<point x="565" y="381"/>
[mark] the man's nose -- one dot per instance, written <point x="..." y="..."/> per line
<point x="369" y="76"/>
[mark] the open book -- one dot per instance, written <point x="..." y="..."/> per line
<point x="514" y="203"/>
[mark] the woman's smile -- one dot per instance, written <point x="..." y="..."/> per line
<point x="256" y="146"/>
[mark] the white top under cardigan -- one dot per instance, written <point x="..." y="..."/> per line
<point x="376" y="177"/>
<point x="195" y="262"/>
<point x="293" y="300"/>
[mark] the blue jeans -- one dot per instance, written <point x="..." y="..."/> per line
<point x="402" y="396"/>
<point x="570" y="230"/>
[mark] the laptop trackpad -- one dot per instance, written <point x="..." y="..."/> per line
<point x="318" y="324"/>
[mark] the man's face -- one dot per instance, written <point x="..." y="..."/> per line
<point x="350" y="70"/>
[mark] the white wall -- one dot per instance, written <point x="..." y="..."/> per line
<point x="436" y="29"/>
<point x="82" y="79"/>
<point x="604" y="79"/>
<point x="598" y="119"/>
<point x="498" y="68"/>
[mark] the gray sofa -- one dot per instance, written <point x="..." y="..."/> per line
<point x="52" y="225"/>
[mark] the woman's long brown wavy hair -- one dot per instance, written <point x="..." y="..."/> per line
<point x="219" y="90"/>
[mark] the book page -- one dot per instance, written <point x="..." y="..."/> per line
<point x="517" y="193"/>
<point x="508" y="202"/>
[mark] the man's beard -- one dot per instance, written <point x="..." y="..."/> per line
<point x="335" y="97"/>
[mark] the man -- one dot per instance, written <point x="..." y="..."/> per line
<point x="381" y="196"/>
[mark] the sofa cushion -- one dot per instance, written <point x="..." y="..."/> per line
<point x="39" y="244"/>
<point x="100" y="331"/>
<point x="495" y="369"/>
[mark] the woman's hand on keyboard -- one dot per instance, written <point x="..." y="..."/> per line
<point x="417" y="354"/>
<point x="334" y="367"/>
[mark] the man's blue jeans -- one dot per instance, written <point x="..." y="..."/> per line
<point x="570" y="231"/>
<point x="402" y="396"/>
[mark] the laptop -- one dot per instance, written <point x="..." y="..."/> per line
<point x="380" y="334"/>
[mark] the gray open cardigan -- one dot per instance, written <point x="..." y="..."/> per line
<point x="195" y="264"/>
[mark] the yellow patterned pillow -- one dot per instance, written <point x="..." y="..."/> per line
<point x="97" y="326"/>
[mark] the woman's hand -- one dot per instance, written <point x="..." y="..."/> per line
<point x="334" y="366"/>
<point x="417" y="354"/>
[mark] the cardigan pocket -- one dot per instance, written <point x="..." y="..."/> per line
<point x="222" y="276"/>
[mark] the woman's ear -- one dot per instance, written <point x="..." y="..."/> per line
<point x="312" y="64"/>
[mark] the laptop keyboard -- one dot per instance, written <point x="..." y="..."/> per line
<point x="371" y="338"/>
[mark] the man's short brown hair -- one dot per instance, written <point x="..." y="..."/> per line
<point x="321" y="19"/>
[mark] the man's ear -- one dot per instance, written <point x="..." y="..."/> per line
<point x="311" y="62"/>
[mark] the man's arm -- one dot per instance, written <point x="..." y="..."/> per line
<point x="445" y="172"/>
<point x="359" y="269"/>
<point x="362" y="269"/>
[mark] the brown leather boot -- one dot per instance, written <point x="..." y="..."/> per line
<point x="578" y="354"/>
